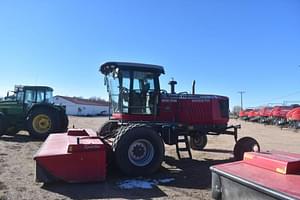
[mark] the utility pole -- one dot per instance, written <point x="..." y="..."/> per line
<point x="241" y="93"/>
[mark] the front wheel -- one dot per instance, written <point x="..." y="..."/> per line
<point x="108" y="128"/>
<point x="138" y="149"/>
<point x="245" y="144"/>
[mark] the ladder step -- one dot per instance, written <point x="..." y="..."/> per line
<point x="183" y="149"/>
<point x="183" y="139"/>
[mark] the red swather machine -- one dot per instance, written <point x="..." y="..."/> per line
<point x="144" y="118"/>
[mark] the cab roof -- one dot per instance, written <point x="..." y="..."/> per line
<point x="30" y="87"/>
<point x="108" y="67"/>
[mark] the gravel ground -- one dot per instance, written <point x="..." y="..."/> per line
<point x="177" y="179"/>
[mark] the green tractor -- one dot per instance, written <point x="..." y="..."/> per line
<point x="29" y="108"/>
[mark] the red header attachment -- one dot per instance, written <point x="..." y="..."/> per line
<point x="77" y="132"/>
<point x="84" y="144"/>
<point x="280" y="162"/>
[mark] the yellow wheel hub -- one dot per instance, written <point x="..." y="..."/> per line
<point x="41" y="123"/>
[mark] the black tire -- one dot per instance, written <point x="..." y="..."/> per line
<point x="3" y="124"/>
<point x="245" y="144"/>
<point x="36" y="127"/>
<point x="136" y="139"/>
<point x="12" y="131"/>
<point x="108" y="128"/>
<point x="64" y="122"/>
<point x="198" y="141"/>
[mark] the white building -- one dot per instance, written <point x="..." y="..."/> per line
<point x="82" y="107"/>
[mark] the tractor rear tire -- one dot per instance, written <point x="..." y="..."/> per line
<point x="3" y="124"/>
<point x="138" y="149"/>
<point x="12" y="131"/>
<point x="198" y="141"/>
<point x="245" y="144"/>
<point x="108" y="128"/>
<point x="64" y="122"/>
<point x="42" y="121"/>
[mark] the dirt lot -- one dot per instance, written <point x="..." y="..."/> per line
<point x="188" y="179"/>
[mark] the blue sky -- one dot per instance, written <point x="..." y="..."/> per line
<point x="226" y="46"/>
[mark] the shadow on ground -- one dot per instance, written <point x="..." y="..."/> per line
<point x="18" y="138"/>
<point x="217" y="150"/>
<point x="187" y="173"/>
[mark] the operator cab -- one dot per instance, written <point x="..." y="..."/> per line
<point x="133" y="88"/>
<point x="29" y="95"/>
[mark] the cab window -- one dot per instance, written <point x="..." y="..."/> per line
<point x="30" y="96"/>
<point x="40" y="95"/>
<point x="20" y="96"/>
<point x="143" y="93"/>
<point x="49" y="96"/>
<point x="125" y="91"/>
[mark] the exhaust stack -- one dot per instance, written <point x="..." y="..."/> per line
<point x="193" y="87"/>
<point x="172" y="83"/>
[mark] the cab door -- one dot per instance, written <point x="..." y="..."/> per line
<point x="29" y="99"/>
<point x="144" y="93"/>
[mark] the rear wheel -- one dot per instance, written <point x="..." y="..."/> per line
<point x="245" y="144"/>
<point x="42" y="121"/>
<point x="64" y="122"/>
<point x="198" y="141"/>
<point x="138" y="149"/>
<point x="3" y="124"/>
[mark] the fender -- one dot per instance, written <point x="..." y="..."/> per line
<point x="39" y="105"/>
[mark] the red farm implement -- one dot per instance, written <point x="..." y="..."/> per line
<point x="293" y="118"/>
<point x="244" y="114"/>
<point x="253" y="115"/>
<point x="269" y="175"/>
<point x="264" y="114"/>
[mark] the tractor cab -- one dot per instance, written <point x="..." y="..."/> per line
<point x="29" y="95"/>
<point x="133" y="88"/>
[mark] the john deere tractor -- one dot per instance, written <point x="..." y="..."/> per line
<point x="29" y="108"/>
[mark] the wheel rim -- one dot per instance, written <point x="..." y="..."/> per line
<point x="41" y="123"/>
<point x="198" y="141"/>
<point x="141" y="152"/>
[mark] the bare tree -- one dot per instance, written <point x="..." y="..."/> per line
<point x="236" y="110"/>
